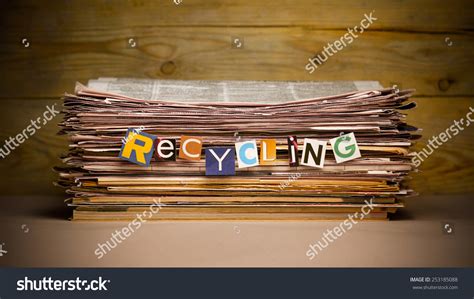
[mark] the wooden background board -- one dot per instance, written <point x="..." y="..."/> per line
<point x="419" y="44"/>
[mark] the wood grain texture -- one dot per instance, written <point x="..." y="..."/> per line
<point x="450" y="168"/>
<point x="54" y="61"/>
<point x="414" y="15"/>
<point x="419" y="44"/>
<point x="27" y="170"/>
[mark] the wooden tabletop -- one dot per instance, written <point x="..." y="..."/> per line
<point x="36" y="234"/>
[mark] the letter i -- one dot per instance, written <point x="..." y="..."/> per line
<point x="293" y="150"/>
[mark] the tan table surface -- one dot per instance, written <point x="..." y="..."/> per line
<point x="35" y="233"/>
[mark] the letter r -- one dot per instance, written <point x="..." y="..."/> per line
<point x="138" y="149"/>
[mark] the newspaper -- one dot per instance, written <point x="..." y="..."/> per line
<point x="103" y="186"/>
<point x="263" y="92"/>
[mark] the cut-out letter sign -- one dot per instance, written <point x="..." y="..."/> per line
<point x="314" y="152"/>
<point x="247" y="153"/>
<point x="293" y="150"/>
<point x="345" y="148"/>
<point x="220" y="161"/>
<point x="138" y="147"/>
<point x="165" y="149"/>
<point x="190" y="148"/>
<point x="267" y="151"/>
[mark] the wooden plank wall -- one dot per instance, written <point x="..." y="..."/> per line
<point x="49" y="45"/>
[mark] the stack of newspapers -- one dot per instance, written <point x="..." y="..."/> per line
<point x="235" y="150"/>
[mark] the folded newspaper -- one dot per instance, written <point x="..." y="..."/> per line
<point x="109" y="122"/>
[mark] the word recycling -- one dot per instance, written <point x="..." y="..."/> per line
<point x="138" y="147"/>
